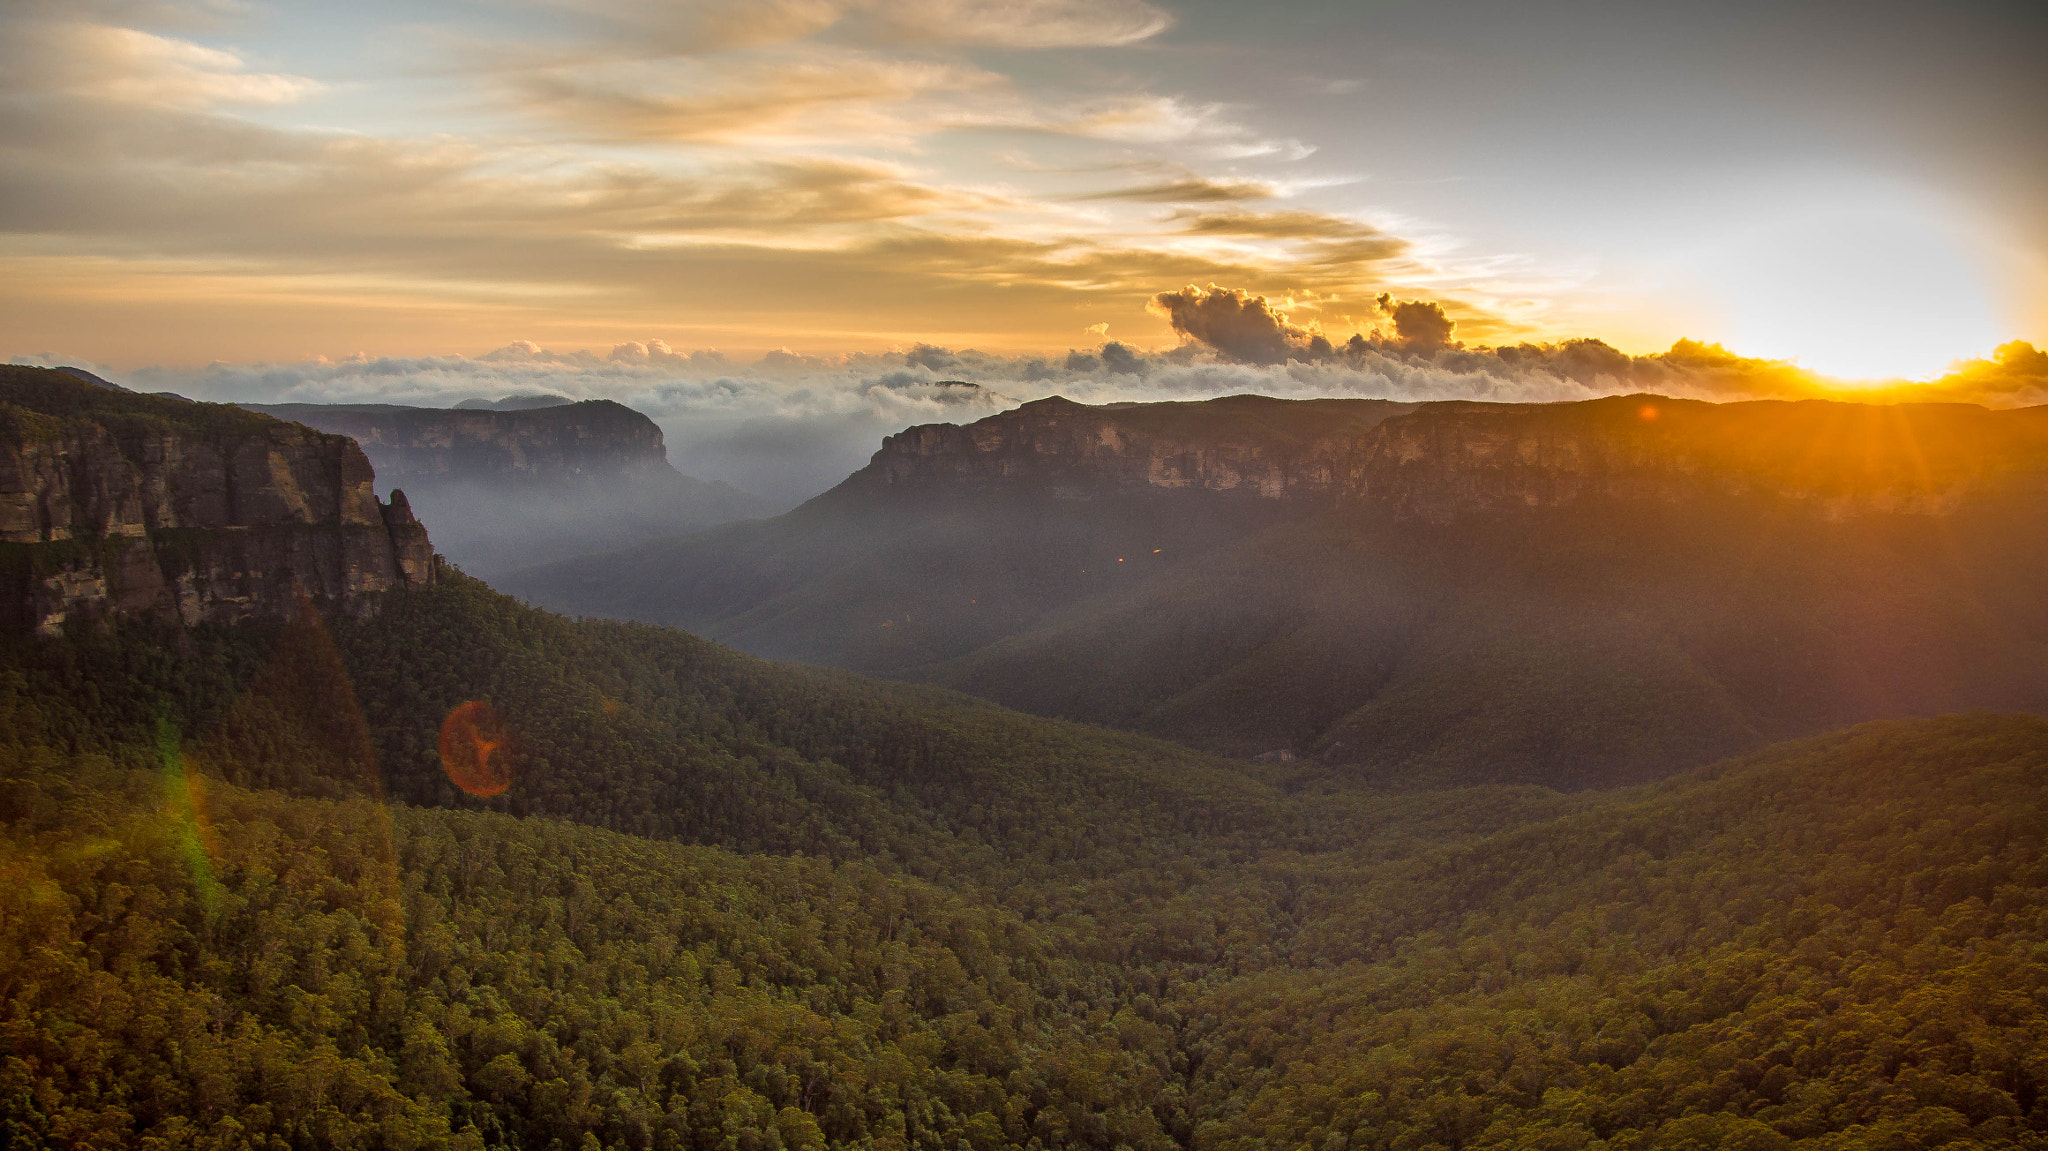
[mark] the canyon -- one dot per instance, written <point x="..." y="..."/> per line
<point x="507" y="488"/>
<point x="1569" y="594"/>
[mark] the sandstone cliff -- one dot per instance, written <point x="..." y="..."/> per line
<point x="1249" y="445"/>
<point x="1440" y="460"/>
<point x="506" y="489"/>
<point x="113" y="503"/>
<point x="409" y="445"/>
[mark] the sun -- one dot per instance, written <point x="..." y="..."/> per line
<point x="1860" y="295"/>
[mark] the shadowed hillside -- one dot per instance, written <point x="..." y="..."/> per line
<point x="1570" y="594"/>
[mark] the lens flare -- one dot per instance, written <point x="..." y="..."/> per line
<point x="472" y="746"/>
<point x="191" y="823"/>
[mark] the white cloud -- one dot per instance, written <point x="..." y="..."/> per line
<point x="710" y="25"/>
<point x="792" y="425"/>
<point x="133" y="67"/>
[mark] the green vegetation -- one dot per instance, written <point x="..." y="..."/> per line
<point x="41" y="403"/>
<point x="732" y="906"/>
<point x="1606" y="599"/>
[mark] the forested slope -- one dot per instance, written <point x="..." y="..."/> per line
<point x="1836" y="944"/>
<point x="1567" y="594"/>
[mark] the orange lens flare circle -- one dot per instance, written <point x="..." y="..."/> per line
<point x="473" y="750"/>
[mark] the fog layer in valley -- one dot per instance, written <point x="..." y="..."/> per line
<point x="789" y="425"/>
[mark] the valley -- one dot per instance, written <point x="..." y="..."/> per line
<point x="509" y="487"/>
<point x="1570" y="595"/>
<point x="728" y="904"/>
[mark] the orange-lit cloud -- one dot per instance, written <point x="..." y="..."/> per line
<point x="1188" y="188"/>
<point x="767" y="187"/>
<point x="662" y="26"/>
<point x="828" y="175"/>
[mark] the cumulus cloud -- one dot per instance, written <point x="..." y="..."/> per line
<point x="2016" y="375"/>
<point x="1420" y="326"/>
<point x="1242" y="326"/>
<point x="1422" y="353"/>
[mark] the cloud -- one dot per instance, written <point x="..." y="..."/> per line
<point x="1292" y="225"/>
<point x="665" y="26"/>
<point x="811" y="95"/>
<point x="791" y="424"/>
<point x="2016" y="374"/>
<point x="1190" y="189"/>
<point x="1236" y="323"/>
<point x="712" y="172"/>
<point x="1420" y="326"/>
<point x="1123" y="360"/>
<point x="1022" y="23"/>
<point x="129" y="67"/>
<point x="929" y="356"/>
<point x="1239" y="327"/>
<point x="1155" y="119"/>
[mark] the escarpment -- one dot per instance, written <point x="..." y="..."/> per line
<point x="1560" y="594"/>
<point x="414" y="445"/>
<point x="506" y="489"/>
<point x="1437" y="461"/>
<point x="1247" y="445"/>
<point x="117" y="504"/>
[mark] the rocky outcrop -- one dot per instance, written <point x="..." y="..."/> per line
<point x="120" y="504"/>
<point x="1437" y="461"/>
<point x="517" y="486"/>
<point x="411" y="445"/>
<point x="1245" y="445"/>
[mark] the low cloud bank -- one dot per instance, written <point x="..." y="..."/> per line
<point x="1419" y="336"/>
<point x="791" y="425"/>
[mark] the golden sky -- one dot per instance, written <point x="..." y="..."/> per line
<point x="190" y="181"/>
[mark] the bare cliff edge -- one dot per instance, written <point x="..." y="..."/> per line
<point x="507" y="489"/>
<point x="1436" y="461"/>
<point x="113" y="503"/>
<point x="411" y="445"/>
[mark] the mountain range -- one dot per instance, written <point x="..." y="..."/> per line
<point x="1568" y="594"/>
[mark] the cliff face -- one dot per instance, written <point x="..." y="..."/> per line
<point x="1247" y="445"/>
<point x="410" y="445"/>
<point x="507" y="489"/>
<point x="119" y="504"/>
<point x="1441" y="460"/>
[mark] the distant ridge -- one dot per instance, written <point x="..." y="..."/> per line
<point x="88" y="377"/>
<point x="519" y="403"/>
<point x="506" y="487"/>
<point x="1570" y="594"/>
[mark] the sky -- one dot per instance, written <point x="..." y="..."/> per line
<point x="789" y="198"/>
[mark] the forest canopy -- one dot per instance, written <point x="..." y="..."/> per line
<point x="730" y="905"/>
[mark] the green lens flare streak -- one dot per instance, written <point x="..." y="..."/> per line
<point x="182" y="807"/>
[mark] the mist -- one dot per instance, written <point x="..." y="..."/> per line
<point x="790" y="425"/>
